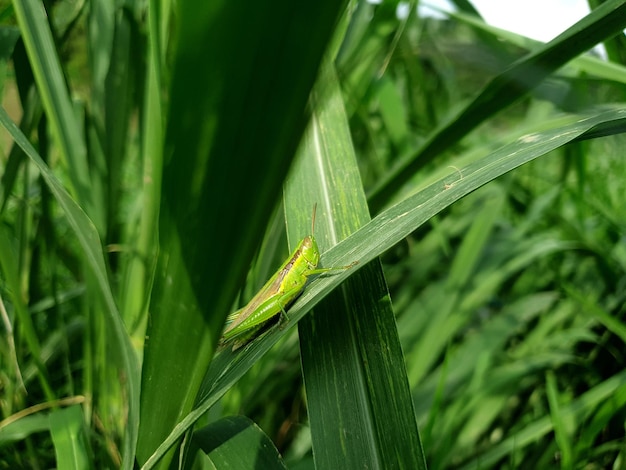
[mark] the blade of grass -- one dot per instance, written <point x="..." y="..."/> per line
<point x="559" y="422"/>
<point x="35" y="30"/>
<point x="583" y="63"/>
<point x="67" y="428"/>
<point x="140" y="269"/>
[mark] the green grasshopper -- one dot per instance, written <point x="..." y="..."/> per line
<point x="275" y="296"/>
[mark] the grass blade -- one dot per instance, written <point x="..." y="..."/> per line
<point x="351" y="356"/>
<point x="56" y="100"/>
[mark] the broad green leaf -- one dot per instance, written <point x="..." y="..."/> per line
<point x="236" y="115"/>
<point x="236" y="442"/>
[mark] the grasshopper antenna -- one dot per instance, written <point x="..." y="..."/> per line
<point x="313" y="219"/>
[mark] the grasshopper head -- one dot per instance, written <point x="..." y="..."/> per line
<point x="310" y="252"/>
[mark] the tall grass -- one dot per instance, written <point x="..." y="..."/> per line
<point x="165" y="158"/>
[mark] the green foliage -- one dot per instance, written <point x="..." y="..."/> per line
<point x="160" y="155"/>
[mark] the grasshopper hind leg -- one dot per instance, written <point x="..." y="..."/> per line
<point x="254" y="333"/>
<point x="282" y="319"/>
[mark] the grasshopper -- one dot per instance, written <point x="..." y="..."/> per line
<point x="278" y="292"/>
